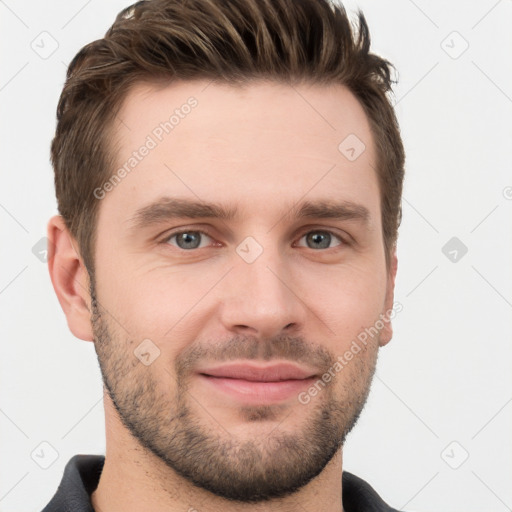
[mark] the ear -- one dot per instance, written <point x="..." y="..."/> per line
<point x="387" y="331"/>
<point x="70" y="278"/>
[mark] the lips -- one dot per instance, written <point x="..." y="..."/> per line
<point x="249" y="372"/>
<point x="249" y="383"/>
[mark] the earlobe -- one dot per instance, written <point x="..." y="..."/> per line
<point x="70" y="278"/>
<point x="387" y="331"/>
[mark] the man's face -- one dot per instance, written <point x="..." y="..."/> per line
<point x="261" y="287"/>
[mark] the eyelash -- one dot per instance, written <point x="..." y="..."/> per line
<point x="169" y="236"/>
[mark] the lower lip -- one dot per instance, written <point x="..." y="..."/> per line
<point x="258" y="392"/>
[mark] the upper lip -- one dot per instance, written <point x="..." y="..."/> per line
<point x="269" y="373"/>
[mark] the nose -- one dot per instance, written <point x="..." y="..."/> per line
<point x="263" y="298"/>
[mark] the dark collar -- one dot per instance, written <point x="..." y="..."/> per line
<point x="82" y="474"/>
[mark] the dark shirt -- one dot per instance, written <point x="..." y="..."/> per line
<point x="82" y="474"/>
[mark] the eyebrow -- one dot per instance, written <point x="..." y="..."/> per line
<point x="167" y="208"/>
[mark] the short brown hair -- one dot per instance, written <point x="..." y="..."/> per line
<point x="226" y="41"/>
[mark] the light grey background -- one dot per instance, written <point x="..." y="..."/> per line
<point x="443" y="389"/>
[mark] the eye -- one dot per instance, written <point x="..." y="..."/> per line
<point x="321" y="239"/>
<point x="186" y="240"/>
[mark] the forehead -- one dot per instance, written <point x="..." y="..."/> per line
<point x="318" y="112"/>
<point x="257" y="144"/>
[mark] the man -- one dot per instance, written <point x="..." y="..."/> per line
<point x="229" y="178"/>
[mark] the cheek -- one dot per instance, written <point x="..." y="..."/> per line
<point x="348" y="300"/>
<point x="166" y="303"/>
<point x="162" y="304"/>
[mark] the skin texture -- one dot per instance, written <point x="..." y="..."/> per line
<point x="173" y="441"/>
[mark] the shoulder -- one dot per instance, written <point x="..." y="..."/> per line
<point x="80" y="479"/>
<point x="359" y="496"/>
